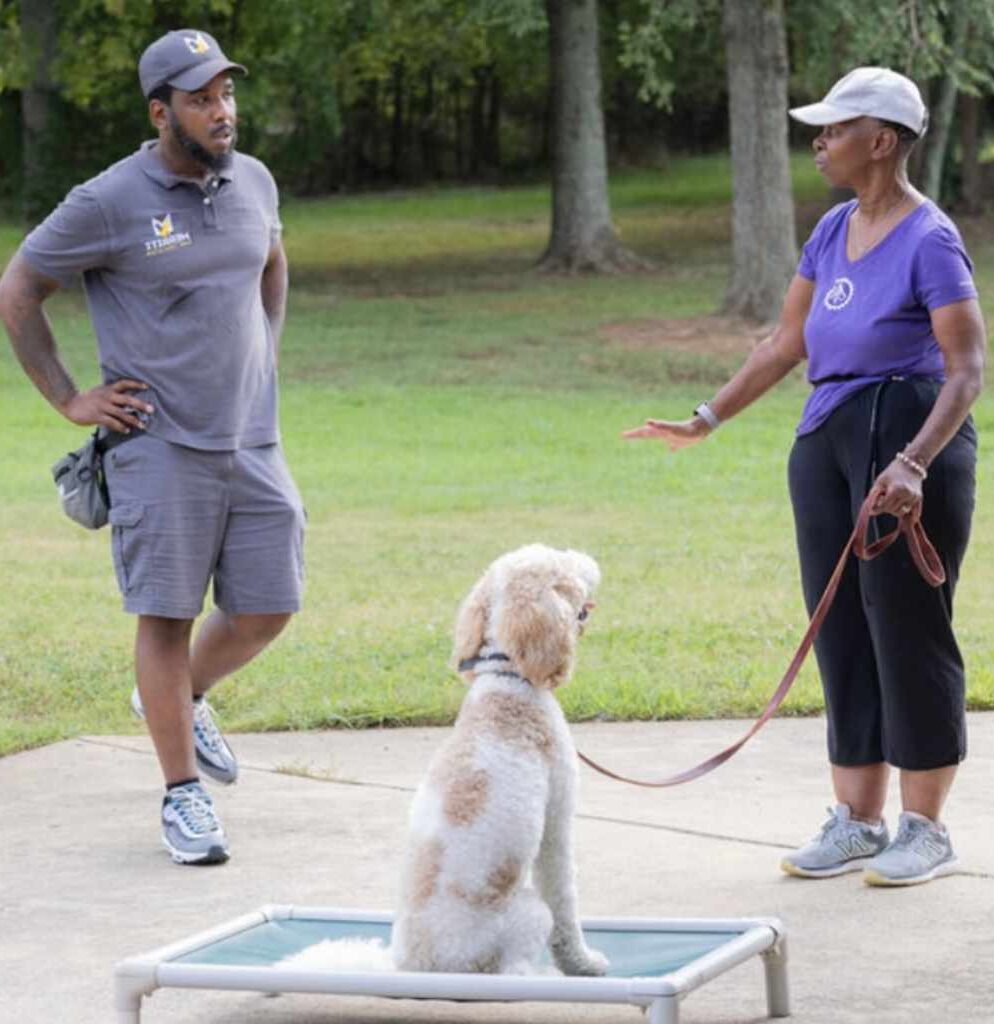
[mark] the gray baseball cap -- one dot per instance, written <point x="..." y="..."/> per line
<point x="869" y="92"/>
<point x="186" y="59"/>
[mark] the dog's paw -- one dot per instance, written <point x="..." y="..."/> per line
<point x="589" y="963"/>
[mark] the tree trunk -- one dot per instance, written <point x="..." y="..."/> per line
<point x="764" y="253"/>
<point x="582" y="237"/>
<point x="458" y="147"/>
<point x="971" y="189"/>
<point x="39" y="104"/>
<point x="428" y="129"/>
<point x="941" y="120"/>
<point x="493" y="121"/>
<point x="477" y="122"/>
<point x="397" y="124"/>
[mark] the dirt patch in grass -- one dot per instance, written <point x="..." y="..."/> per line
<point x="701" y="335"/>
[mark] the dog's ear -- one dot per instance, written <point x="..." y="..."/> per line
<point x="536" y="626"/>
<point x="471" y="622"/>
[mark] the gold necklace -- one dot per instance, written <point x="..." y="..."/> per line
<point x="863" y="247"/>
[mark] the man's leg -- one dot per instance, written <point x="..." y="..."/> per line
<point x="224" y="643"/>
<point x="162" y="665"/>
<point x="190" y="829"/>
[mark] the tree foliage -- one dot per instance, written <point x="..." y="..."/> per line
<point x="357" y="93"/>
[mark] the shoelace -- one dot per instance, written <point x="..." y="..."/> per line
<point x="834" y="821"/>
<point x="194" y="808"/>
<point x="203" y="723"/>
<point x="913" y="836"/>
<point x="836" y="824"/>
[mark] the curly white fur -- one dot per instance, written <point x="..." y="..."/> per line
<point x="489" y="881"/>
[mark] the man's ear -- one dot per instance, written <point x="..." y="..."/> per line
<point x="158" y="114"/>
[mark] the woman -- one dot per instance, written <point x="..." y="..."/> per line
<point x="884" y="308"/>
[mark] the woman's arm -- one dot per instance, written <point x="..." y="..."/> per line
<point x="768" y="363"/>
<point x="960" y="332"/>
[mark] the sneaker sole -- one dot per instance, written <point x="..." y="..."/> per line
<point x="217" y="774"/>
<point x="215" y="855"/>
<point x="857" y="864"/>
<point x="225" y="778"/>
<point x="948" y="867"/>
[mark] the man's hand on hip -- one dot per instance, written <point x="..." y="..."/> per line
<point x="110" y="405"/>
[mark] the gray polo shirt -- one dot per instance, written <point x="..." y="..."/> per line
<point x="172" y="273"/>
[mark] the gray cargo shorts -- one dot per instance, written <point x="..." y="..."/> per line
<point x="182" y="516"/>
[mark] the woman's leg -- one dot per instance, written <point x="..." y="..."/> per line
<point x="863" y="787"/>
<point x="925" y="792"/>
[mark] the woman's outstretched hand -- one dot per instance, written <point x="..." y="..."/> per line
<point x="676" y="433"/>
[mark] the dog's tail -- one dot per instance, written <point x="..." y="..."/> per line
<point x="341" y="955"/>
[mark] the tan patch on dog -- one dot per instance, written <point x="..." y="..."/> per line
<point x="425" y="870"/>
<point x="496" y="889"/>
<point x="466" y="796"/>
<point x="464" y="788"/>
<point x="515" y="721"/>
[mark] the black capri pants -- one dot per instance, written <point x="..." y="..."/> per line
<point x="891" y="669"/>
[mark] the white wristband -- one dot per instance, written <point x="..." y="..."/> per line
<point x="707" y="414"/>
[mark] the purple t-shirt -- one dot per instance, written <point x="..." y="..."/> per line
<point x="869" y="318"/>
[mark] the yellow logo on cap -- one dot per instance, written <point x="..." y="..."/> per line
<point x="197" y="44"/>
<point x="163" y="228"/>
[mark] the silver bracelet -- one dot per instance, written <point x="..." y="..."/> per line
<point x="707" y="414"/>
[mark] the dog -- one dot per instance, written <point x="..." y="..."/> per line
<point x="488" y="884"/>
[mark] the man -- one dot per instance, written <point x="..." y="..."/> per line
<point x="179" y="248"/>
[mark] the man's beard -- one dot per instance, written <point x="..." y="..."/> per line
<point x="220" y="162"/>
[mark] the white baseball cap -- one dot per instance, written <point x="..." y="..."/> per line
<point x="869" y="92"/>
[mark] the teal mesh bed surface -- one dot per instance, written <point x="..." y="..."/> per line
<point x="632" y="953"/>
<point x="654" y="962"/>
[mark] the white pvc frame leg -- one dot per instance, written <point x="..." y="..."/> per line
<point x="132" y="982"/>
<point x="664" y="1011"/>
<point x="128" y="1010"/>
<point x="777" y="987"/>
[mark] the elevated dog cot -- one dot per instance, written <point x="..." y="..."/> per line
<point x="654" y="963"/>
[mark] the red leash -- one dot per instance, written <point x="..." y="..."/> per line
<point x="929" y="565"/>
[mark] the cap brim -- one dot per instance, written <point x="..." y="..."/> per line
<point x="821" y="113"/>
<point x="197" y="77"/>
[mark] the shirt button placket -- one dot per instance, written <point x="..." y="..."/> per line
<point x="210" y="212"/>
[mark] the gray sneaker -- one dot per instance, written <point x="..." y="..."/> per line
<point x="842" y="845"/>
<point x="190" y="829"/>
<point x="920" y="852"/>
<point x="214" y="757"/>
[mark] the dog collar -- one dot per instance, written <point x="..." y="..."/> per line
<point x="467" y="664"/>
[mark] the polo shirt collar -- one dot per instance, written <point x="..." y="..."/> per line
<point x="152" y="165"/>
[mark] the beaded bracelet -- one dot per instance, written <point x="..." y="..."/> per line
<point x="913" y="464"/>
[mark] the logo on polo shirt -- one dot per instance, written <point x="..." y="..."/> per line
<point x="196" y="44"/>
<point x="167" y="236"/>
<point x="839" y="295"/>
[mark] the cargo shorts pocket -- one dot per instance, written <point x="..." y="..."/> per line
<point x="124" y="519"/>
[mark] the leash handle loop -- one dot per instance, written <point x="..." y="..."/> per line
<point x="923" y="552"/>
<point x="926" y="559"/>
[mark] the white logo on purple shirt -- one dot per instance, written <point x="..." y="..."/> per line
<point x="838" y="296"/>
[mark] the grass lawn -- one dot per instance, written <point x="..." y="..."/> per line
<point x="441" y="404"/>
